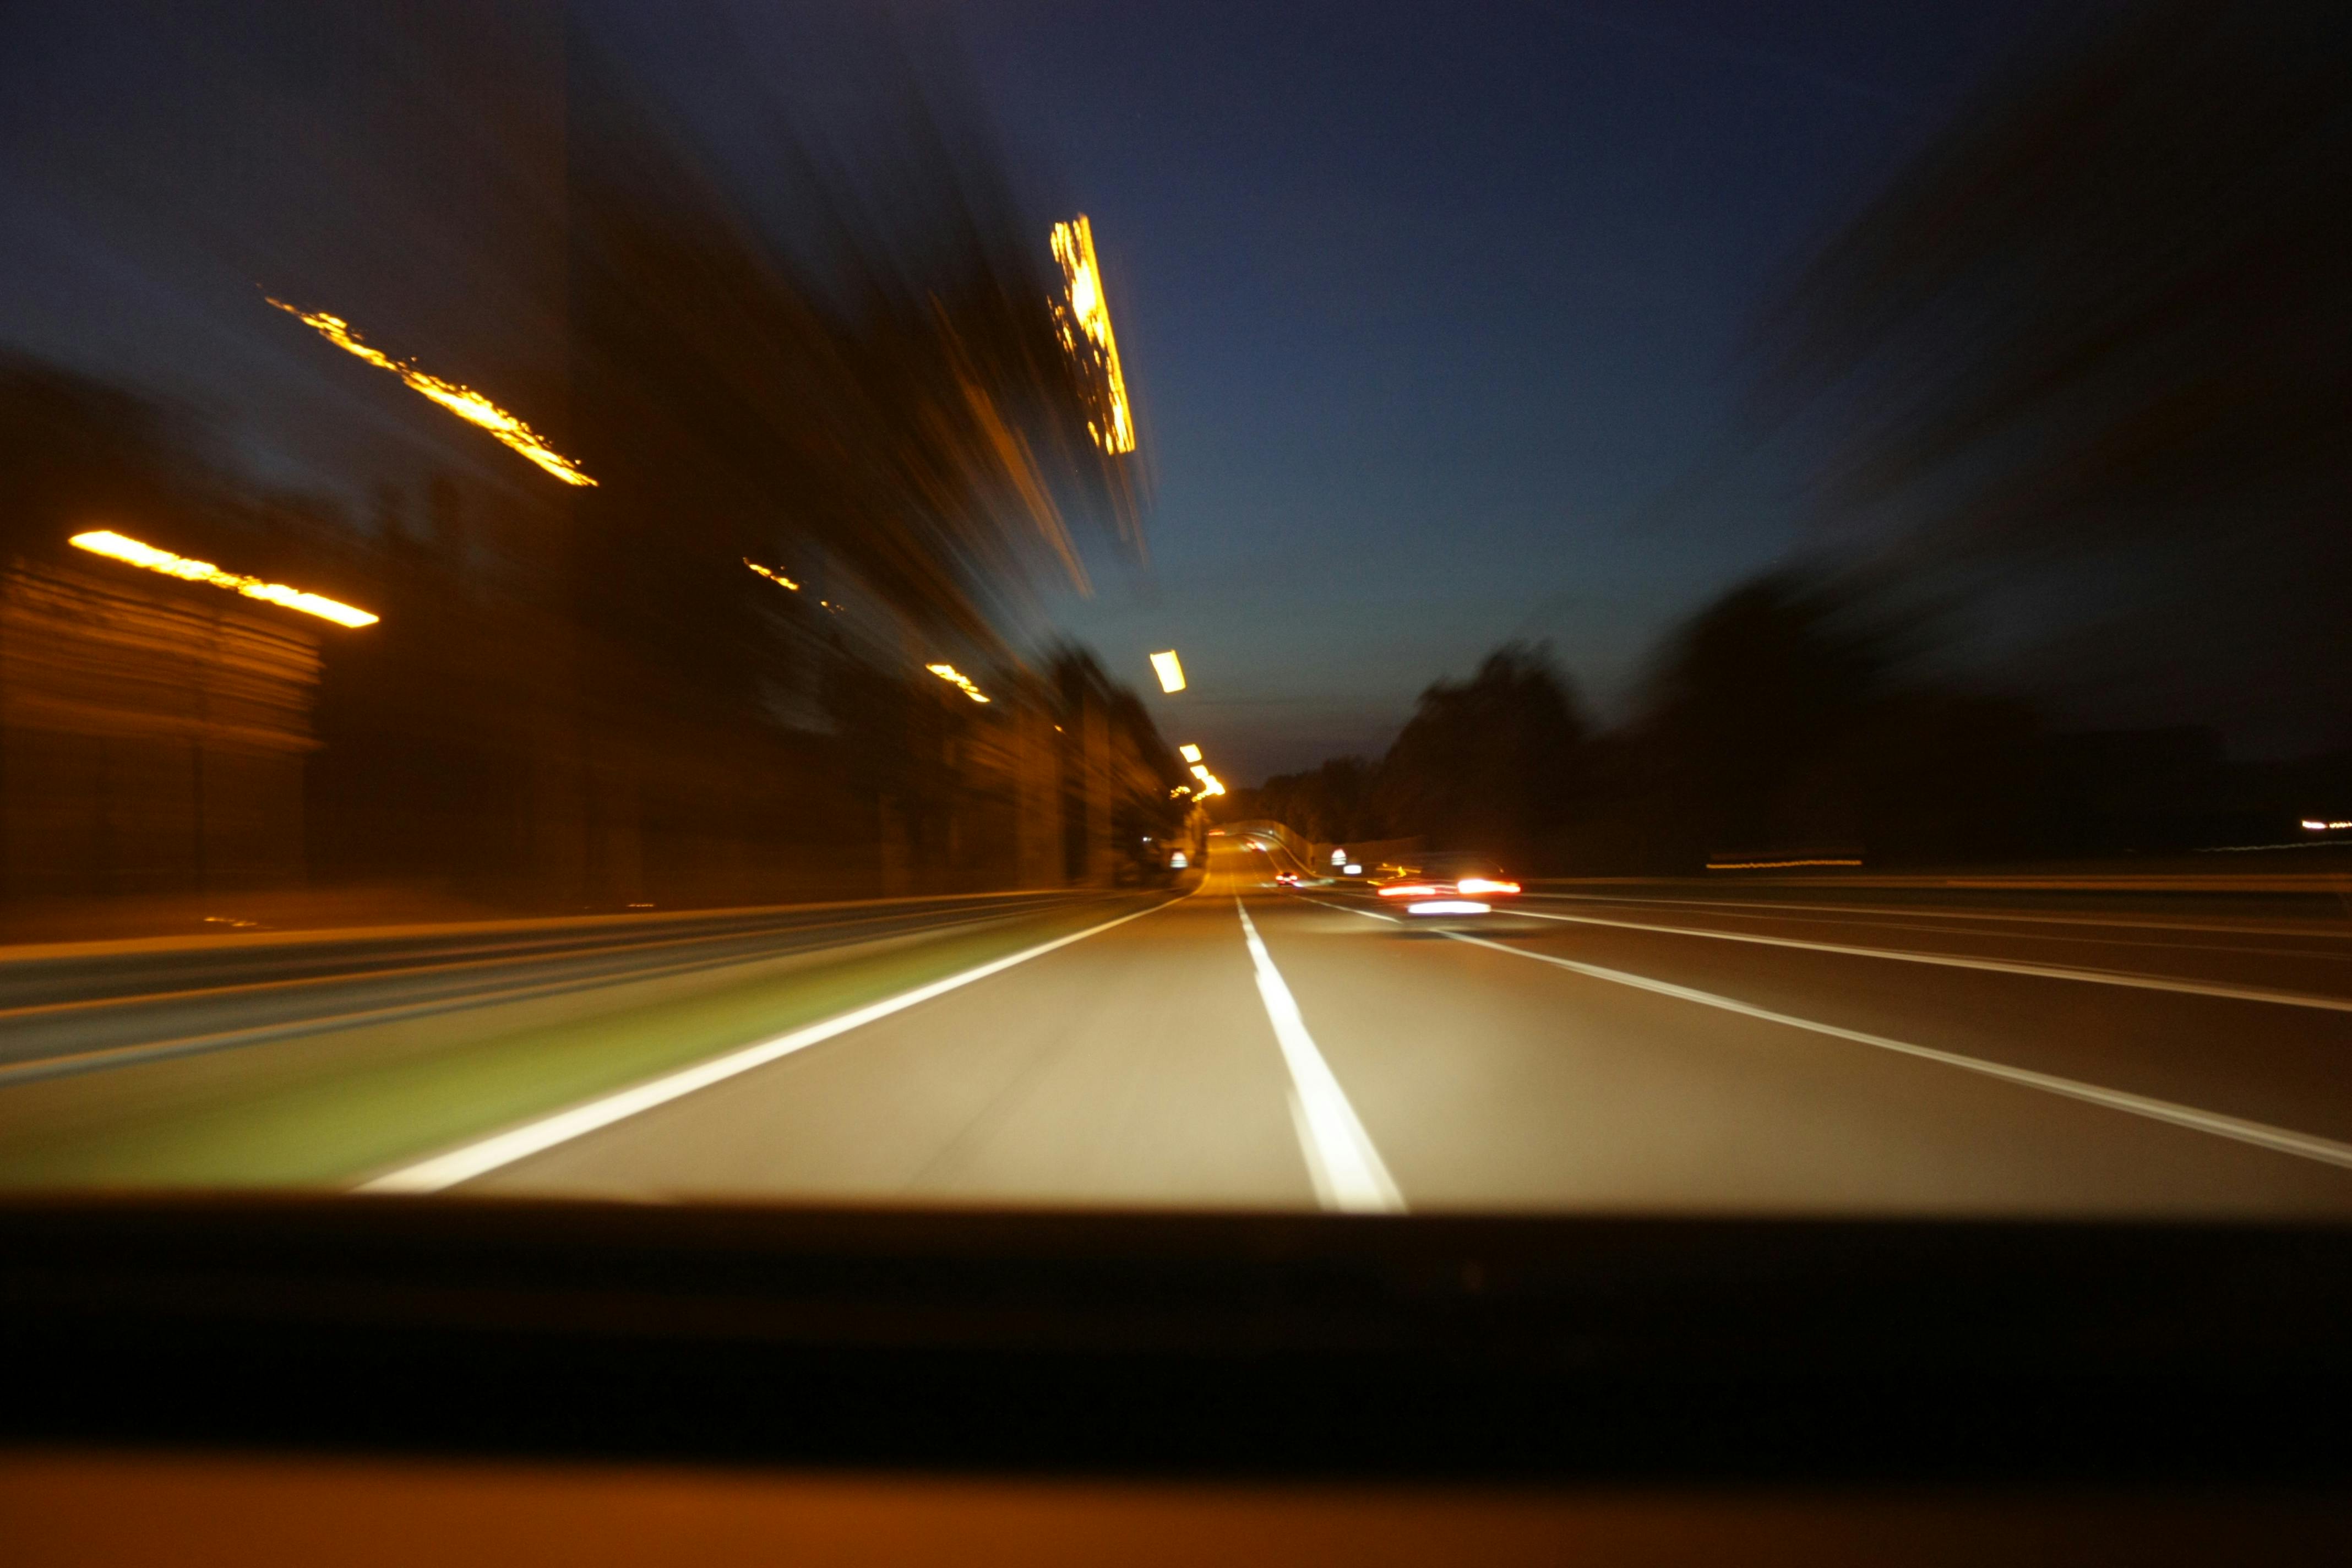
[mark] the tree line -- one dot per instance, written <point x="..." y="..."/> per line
<point x="1785" y="722"/>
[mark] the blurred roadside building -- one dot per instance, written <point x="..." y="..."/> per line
<point x="152" y="736"/>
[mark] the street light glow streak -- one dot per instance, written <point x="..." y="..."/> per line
<point x="1169" y="669"/>
<point x="776" y="577"/>
<point x="1772" y="865"/>
<point x="462" y="401"/>
<point x="2314" y="825"/>
<point x="115" y="547"/>
<point x="1086" y="313"/>
<point x="956" y="679"/>
<point x="1192" y="754"/>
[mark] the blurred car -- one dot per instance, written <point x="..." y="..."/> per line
<point x="1446" y="887"/>
<point x="1287" y="879"/>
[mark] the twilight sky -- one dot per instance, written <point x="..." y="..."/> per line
<point x="1424" y="303"/>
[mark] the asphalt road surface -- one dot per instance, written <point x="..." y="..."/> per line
<point x="1661" y="1049"/>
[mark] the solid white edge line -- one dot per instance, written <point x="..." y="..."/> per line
<point x="1998" y="966"/>
<point x="2281" y="1140"/>
<point x="470" y="1160"/>
<point x="1347" y="1172"/>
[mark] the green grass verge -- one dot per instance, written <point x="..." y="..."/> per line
<point x="329" y="1108"/>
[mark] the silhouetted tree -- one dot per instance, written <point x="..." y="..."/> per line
<point x="2103" y="324"/>
<point x="1491" y="764"/>
<point x="1752" y="693"/>
<point x="1330" y="803"/>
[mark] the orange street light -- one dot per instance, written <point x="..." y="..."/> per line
<point x="1085" y="314"/>
<point x="115" y="547"/>
<point x="462" y="401"/>
<point x="956" y="679"/>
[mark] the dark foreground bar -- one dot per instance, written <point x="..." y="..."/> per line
<point x="1300" y="1348"/>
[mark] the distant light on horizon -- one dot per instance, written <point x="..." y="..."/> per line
<point x="1170" y="670"/>
<point x="462" y="401"/>
<point x="116" y="547"/>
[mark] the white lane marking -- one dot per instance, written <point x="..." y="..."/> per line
<point x="1347" y="1169"/>
<point x="1346" y="908"/>
<point x="2261" y="1134"/>
<point x="471" y="1160"/>
<point x="1998" y="966"/>
<point x="2120" y="922"/>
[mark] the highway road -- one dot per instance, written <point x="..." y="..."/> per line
<point x="1831" y="1049"/>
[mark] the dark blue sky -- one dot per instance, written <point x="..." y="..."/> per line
<point x="1425" y="303"/>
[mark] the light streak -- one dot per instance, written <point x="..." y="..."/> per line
<point x="956" y="679"/>
<point x="462" y="401"/>
<point x="1192" y="754"/>
<point x="1170" y="670"/>
<point x="1772" y="865"/>
<point x="775" y="577"/>
<point x="2313" y="825"/>
<point x="1085" y="313"/>
<point x="1485" y="885"/>
<point x="115" y="547"/>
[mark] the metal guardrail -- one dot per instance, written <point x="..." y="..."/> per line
<point x="85" y="1012"/>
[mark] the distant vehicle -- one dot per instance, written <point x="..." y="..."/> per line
<point x="1455" y="887"/>
<point x="1287" y="879"/>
